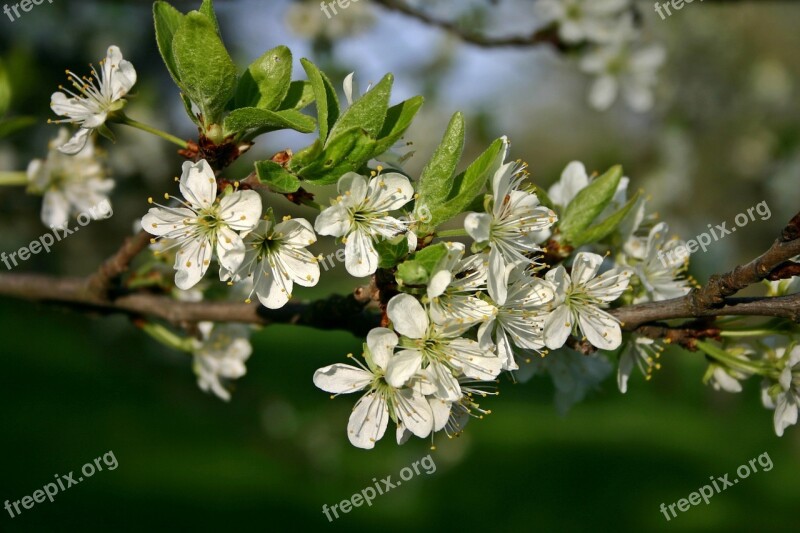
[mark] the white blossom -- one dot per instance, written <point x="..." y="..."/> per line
<point x="573" y="374"/>
<point x="71" y="185"/>
<point x="510" y="228"/>
<point x="204" y="224"/>
<point x="520" y="320"/>
<point x="784" y="396"/>
<point x="382" y="401"/>
<point x="221" y="354"/>
<point x="94" y="98"/>
<point x="619" y="68"/>
<point x="661" y="269"/>
<point x="276" y="259"/>
<point x="360" y="216"/>
<point x="640" y="352"/>
<point x="453" y="287"/>
<point x="583" y="20"/>
<point x="439" y="349"/>
<point x="578" y="300"/>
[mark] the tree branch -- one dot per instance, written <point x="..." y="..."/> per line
<point x="547" y="35"/>
<point x="100" y="282"/>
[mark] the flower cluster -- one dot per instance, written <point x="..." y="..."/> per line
<point x="478" y="315"/>
<point x="613" y="56"/>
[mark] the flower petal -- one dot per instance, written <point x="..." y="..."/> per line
<point x="368" y="421"/>
<point x="402" y="367"/>
<point x="341" y="379"/>
<point x="191" y="263"/>
<point x="408" y="316"/>
<point x="334" y="221"/>
<point x="381" y="343"/>
<point x="557" y="327"/>
<point x="76" y="143"/>
<point x="360" y="256"/>
<point x="198" y="184"/>
<point x="601" y="329"/>
<point x="478" y="226"/>
<point x="241" y="210"/>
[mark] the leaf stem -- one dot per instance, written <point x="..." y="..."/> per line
<point x="167" y="337"/>
<point x="11" y="179"/>
<point x="459" y="232"/>
<point x="149" y="129"/>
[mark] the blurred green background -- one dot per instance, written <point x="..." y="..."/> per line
<point x="723" y="137"/>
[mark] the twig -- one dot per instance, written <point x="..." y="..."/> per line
<point x="100" y="282"/>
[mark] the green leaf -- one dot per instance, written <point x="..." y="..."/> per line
<point x="369" y="111"/>
<point x="411" y="273"/>
<point x="277" y="177"/>
<point x="167" y="21"/>
<point x="392" y="251"/>
<point x="589" y="203"/>
<point x="13" y="125"/>
<point x="344" y="153"/>
<point x="325" y="96"/>
<point x="207" y="9"/>
<point x="248" y="122"/>
<point x="299" y="96"/>
<point x="187" y="105"/>
<point x="398" y="119"/>
<point x="543" y="197"/>
<point x="206" y="71"/>
<point x="602" y="230"/>
<point x="417" y="271"/>
<point x="468" y="185"/>
<point x="435" y="180"/>
<point x="266" y="81"/>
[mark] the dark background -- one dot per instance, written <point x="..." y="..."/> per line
<point x="723" y="137"/>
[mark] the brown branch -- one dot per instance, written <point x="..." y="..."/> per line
<point x="100" y="282"/>
<point x="334" y="312"/>
<point x="547" y="35"/>
<point x="713" y="299"/>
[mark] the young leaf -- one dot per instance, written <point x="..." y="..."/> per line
<point x="369" y="111"/>
<point x="248" y="122"/>
<point x="417" y="271"/>
<point x="325" y="96"/>
<point x="469" y="184"/>
<point x="602" y="230"/>
<point x="588" y="203"/>
<point x="392" y="251"/>
<point x="299" y="96"/>
<point x="398" y="119"/>
<point x="277" y="177"/>
<point x="435" y="180"/>
<point x="344" y="153"/>
<point x="204" y="67"/>
<point x="207" y="9"/>
<point x="167" y="21"/>
<point x="266" y="81"/>
<point x="543" y="197"/>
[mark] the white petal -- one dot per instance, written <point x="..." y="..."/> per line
<point x="585" y="267"/>
<point x="241" y="210"/>
<point x="352" y="188"/>
<point x="573" y="179"/>
<point x="297" y="232"/>
<point x="497" y="279"/>
<point x="381" y="343"/>
<point x="230" y="249"/>
<point x="122" y="74"/>
<point x="447" y="386"/>
<point x="341" y="379"/>
<point x="198" y="184"/>
<point x="478" y="226"/>
<point x="76" y="143"/>
<point x="360" y="256"/>
<point x="334" y="221"/>
<point x="603" y="92"/>
<point x="402" y="367"/>
<point x="785" y="412"/>
<point x="558" y="327"/>
<point x="408" y="316"/>
<point x="159" y="221"/>
<point x="601" y="329"/>
<point x="474" y="362"/>
<point x="441" y="413"/>
<point x="414" y="412"/>
<point x="388" y="192"/>
<point x="626" y="363"/>
<point x="191" y="263"/>
<point x="55" y="209"/>
<point x="368" y="421"/>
